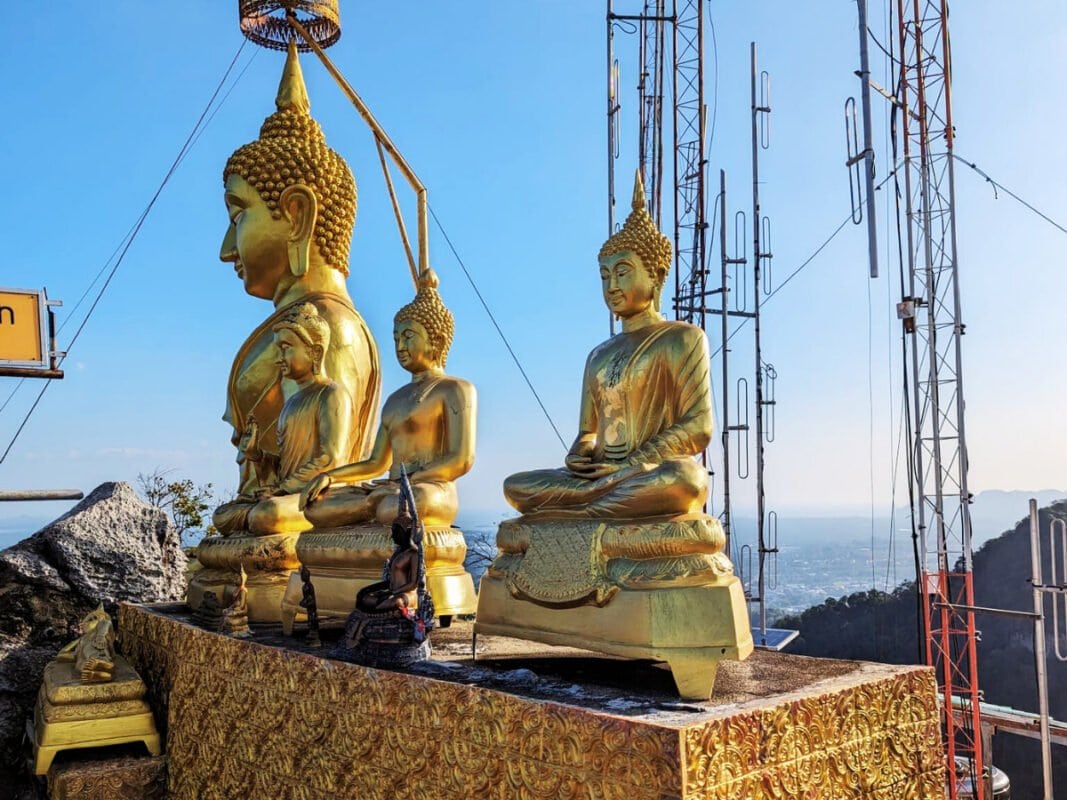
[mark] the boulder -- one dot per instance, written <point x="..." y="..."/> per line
<point x="110" y="547"/>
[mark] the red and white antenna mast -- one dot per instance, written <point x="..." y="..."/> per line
<point x="933" y="323"/>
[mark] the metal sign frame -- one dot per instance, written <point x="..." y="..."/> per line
<point x="42" y="332"/>
<point x="47" y="366"/>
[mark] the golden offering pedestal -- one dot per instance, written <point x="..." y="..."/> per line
<point x="247" y="719"/>
<point x="72" y="715"/>
<point x="651" y="589"/>
<point x="267" y="560"/>
<point x="344" y="560"/>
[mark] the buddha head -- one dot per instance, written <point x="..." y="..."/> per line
<point x="422" y="330"/>
<point x="635" y="261"/>
<point x="301" y="338"/>
<point x="94" y="619"/>
<point x="402" y="529"/>
<point x="290" y="198"/>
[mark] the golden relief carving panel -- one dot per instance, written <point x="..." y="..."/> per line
<point x="113" y="779"/>
<point x="248" y="720"/>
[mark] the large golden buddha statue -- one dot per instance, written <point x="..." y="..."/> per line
<point x="292" y="203"/>
<point x="613" y="552"/>
<point x="428" y="431"/>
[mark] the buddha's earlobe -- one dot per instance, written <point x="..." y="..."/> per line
<point x="300" y="207"/>
<point x="298" y="256"/>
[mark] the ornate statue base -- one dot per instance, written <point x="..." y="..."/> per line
<point x="381" y="640"/>
<point x="785" y="727"/>
<point x="268" y="560"/>
<point x="71" y="714"/>
<point x="344" y="560"/>
<point x="648" y="589"/>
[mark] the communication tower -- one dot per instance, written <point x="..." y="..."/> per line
<point x="933" y="330"/>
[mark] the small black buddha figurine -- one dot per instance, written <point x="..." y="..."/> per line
<point x="393" y="617"/>
<point x="307" y="602"/>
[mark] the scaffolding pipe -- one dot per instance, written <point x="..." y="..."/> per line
<point x="1039" y="651"/>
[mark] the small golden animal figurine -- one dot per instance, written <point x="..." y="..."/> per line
<point x="90" y="697"/>
<point x="428" y="427"/>
<point x="93" y="653"/>
<point x="613" y="552"/>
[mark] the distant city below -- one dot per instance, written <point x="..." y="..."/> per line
<point x="820" y="556"/>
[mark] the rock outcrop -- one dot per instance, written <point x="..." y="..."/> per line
<point x="110" y="547"/>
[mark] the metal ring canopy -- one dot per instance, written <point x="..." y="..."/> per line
<point x="264" y="22"/>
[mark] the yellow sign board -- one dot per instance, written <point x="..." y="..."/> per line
<point x="23" y="332"/>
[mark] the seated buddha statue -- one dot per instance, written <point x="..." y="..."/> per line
<point x="93" y="653"/>
<point x="291" y="202"/>
<point x="427" y="427"/>
<point x="402" y="571"/>
<point x="427" y="432"/>
<point x="646" y="400"/>
<point x="392" y="620"/>
<point x="313" y="431"/>
<point x="613" y="552"/>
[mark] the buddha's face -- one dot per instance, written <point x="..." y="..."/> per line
<point x="414" y="351"/>
<point x="296" y="359"/>
<point x="628" y="288"/>
<point x="255" y="243"/>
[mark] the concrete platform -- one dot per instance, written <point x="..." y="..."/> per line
<point x="270" y="717"/>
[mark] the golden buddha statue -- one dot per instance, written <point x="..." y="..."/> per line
<point x="291" y="201"/>
<point x="90" y="697"/>
<point x="646" y="400"/>
<point x="313" y="431"/>
<point x="428" y="430"/>
<point x="613" y="552"/>
<point x="92" y="653"/>
<point x="428" y="426"/>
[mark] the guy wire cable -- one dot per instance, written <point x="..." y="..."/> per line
<point x="129" y="241"/>
<point x="496" y="325"/>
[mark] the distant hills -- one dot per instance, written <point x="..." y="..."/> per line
<point x="880" y="626"/>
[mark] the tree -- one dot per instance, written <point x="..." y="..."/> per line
<point x="188" y="504"/>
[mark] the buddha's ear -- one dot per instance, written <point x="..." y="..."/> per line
<point x="300" y="207"/>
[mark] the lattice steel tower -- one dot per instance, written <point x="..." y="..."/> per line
<point x="934" y="326"/>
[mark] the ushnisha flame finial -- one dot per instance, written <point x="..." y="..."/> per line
<point x="292" y="93"/>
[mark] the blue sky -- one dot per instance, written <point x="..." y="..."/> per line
<point x="500" y="110"/>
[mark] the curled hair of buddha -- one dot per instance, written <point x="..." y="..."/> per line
<point x="291" y="150"/>
<point x="306" y="323"/>
<point x="640" y="235"/>
<point x="428" y="310"/>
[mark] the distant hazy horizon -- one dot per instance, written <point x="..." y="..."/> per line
<point x="992" y="513"/>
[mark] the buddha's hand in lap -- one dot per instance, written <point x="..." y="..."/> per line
<point x="311" y="492"/>
<point x="609" y="472"/>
